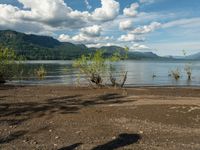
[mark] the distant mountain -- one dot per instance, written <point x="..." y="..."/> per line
<point x="145" y="55"/>
<point x="36" y="47"/>
<point x="109" y="50"/>
<point x="193" y="57"/>
<point x="190" y="57"/>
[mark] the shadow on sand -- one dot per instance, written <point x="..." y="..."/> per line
<point x="12" y="136"/>
<point x="9" y="87"/>
<point x="15" y="113"/>
<point x="71" y="147"/>
<point x="121" y="141"/>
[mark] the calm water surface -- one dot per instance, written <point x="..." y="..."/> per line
<point x="139" y="73"/>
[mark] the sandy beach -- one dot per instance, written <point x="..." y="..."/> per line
<point x="67" y="118"/>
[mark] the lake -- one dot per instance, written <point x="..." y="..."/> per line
<point x="140" y="73"/>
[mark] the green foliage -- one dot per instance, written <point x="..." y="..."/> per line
<point x="176" y="74"/>
<point x="188" y="68"/>
<point x="92" y="66"/>
<point x="40" y="72"/>
<point x="96" y="67"/>
<point x="9" y="64"/>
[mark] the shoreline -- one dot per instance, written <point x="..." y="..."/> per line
<point x="84" y="86"/>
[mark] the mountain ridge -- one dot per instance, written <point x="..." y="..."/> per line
<point x="39" y="47"/>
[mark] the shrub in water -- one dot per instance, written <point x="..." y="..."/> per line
<point x="176" y="74"/>
<point x="9" y="64"/>
<point x="96" y="68"/>
<point x="40" y="72"/>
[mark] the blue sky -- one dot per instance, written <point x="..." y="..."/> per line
<point x="165" y="27"/>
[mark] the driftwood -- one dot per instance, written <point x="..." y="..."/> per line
<point x="98" y="81"/>
<point x="115" y="83"/>
<point x="189" y="75"/>
<point x="95" y="78"/>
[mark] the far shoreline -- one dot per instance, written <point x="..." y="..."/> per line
<point x="105" y="87"/>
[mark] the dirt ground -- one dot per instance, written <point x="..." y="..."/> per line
<point x="69" y="118"/>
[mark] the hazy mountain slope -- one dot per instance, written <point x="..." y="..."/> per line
<point x="194" y="56"/>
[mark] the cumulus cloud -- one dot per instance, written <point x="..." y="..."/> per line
<point x="49" y="13"/>
<point x="92" y="31"/>
<point x="108" y="11"/>
<point x="88" y="35"/>
<point x="130" y="38"/>
<point x="56" y="13"/>
<point x="125" y="25"/>
<point x="45" y="11"/>
<point x="132" y="10"/>
<point x="147" y="28"/>
<point x="14" y="22"/>
<point x="80" y="38"/>
<point x="64" y="38"/>
<point x="137" y="46"/>
<point x="98" y="45"/>
<point x="84" y="39"/>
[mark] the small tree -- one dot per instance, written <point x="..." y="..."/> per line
<point x="176" y="74"/>
<point x="40" y="72"/>
<point x="97" y="67"/>
<point x="123" y="74"/>
<point x="188" y="71"/>
<point x="188" y="68"/>
<point x="9" y="67"/>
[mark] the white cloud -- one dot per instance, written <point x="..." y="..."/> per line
<point x="80" y="38"/>
<point x="64" y="38"/>
<point x="98" y="45"/>
<point x="130" y="38"/>
<point x="125" y="25"/>
<point x="56" y="13"/>
<point x="46" y="11"/>
<point x="14" y="22"/>
<point x="132" y="10"/>
<point x="147" y="28"/>
<point x="189" y="22"/>
<point x="108" y="11"/>
<point x="93" y="31"/>
<point x="88" y="35"/>
<point x="137" y="46"/>
<point x="84" y="39"/>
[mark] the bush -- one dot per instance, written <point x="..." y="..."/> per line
<point x="40" y="72"/>
<point x="188" y="71"/>
<point x="96" y="68"/>
<point x="176" y="74"/>
<point x="9" y="64"/>
<point x="188" y="68"/>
